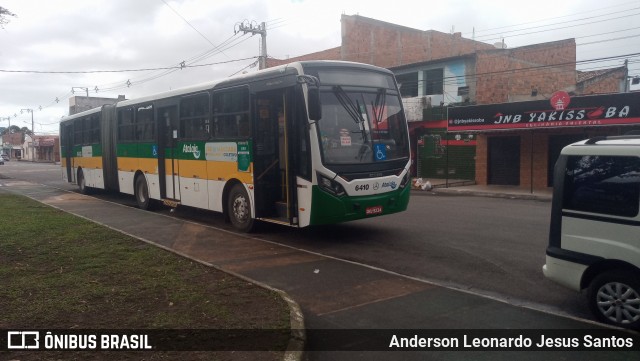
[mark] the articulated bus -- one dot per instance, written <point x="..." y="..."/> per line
<point x="307" y="143"/>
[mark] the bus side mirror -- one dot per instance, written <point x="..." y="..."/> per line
<point x="314" y="107"/>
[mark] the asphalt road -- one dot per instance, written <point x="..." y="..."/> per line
<point x="490" y="246"/>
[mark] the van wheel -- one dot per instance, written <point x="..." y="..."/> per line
<point x="141" y="192"/>
<point x="239" y="209"/>
<point x="614" y="298"/>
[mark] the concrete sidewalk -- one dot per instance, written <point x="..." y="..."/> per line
<point x="332" y="294"/>
<point x="498" y="191"/>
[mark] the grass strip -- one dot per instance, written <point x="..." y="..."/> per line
<point x="61" y="271"/>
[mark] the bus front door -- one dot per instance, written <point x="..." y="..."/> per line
<point x="167" y="162"/>
<point x="273" y="197"/>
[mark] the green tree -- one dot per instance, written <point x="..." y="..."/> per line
<point x="25" y="131"/>
<point x="4" y="16"/>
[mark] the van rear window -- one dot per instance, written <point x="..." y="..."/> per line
<point x="602" y="184"/>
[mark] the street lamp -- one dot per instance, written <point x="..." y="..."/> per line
<point x="8" y="132"/>
<point x="33" y="155"/>
<point x="8" y="119"/>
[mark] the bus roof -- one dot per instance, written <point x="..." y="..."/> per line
<point x="296" y="67"/>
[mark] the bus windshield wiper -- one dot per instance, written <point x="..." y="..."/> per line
<point x="348" y="105"/>
<point x="377" y="106"/>
<point x="356" y="115"/>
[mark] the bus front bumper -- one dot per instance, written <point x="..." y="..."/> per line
<point x="328" y="209"/>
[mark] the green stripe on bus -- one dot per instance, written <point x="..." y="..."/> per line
<point x="137" y="150"/>
<point x="328" y="209"/>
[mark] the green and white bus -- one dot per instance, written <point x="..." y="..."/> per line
<point x="307" y="143"/>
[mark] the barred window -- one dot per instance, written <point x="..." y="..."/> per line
<point x="93" y="135"/>
<point x="145" y="125"/>
<point x="126" y="126"/>
<point x="231" y="113"/>
<point x="194" y="117"/>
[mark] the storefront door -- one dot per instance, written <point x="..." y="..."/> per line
<point x="504" y="160"/>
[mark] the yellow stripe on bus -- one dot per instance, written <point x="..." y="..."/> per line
<point x="88" y="162"/>
<point x="210" y="170"/>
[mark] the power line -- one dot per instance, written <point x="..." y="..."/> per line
<point x="188" y="23"/>
<point x="553" y="29"/>
<point x="277" y="23"/>
<point x="587" y="18"/>
<point x="118" y="71"/>
<point x="555" y="18"/>
<point x="453" y="79"/>
<point x="177" y="67"/>
<point x="227" y="44"/>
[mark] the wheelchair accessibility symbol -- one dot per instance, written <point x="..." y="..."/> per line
<point x="380" y="151"/>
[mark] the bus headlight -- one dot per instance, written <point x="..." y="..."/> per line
<point x="330" y="186"/>
<point x="405" y="180"/>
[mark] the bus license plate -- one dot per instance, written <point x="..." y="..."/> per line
<point x="370" y="211"/>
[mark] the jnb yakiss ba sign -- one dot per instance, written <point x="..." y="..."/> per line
<point x="560" y="110"/>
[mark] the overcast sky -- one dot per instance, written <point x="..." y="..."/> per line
<point x="119" y="35"/>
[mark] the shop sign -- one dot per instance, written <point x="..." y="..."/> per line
<point x="561" y="110"/>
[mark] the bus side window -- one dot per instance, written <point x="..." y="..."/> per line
<point x="231" y="113"/>
<point x="145" y="125"/>
<point x="126" y="127"/>
<point x="78" y="131"/>
<point x="194" y="117"/>
<point x="94" y="129"/>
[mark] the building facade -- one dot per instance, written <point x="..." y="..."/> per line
<point x="438" y="71"/>
<point x="78" y="104"/>
<point x="12" y="145"/>
<point x="518" y="143"/>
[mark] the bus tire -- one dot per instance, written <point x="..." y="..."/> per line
<point x="613" y="298"/>
<point x="239" y="209"/>
<point x="82" y="183"/>
<point x="141" y="192"/>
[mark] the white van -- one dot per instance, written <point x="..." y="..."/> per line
<point x="594" y="237"/>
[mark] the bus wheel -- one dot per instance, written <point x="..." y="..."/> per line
<point x="239" y="208"/>
<point x="614" y="298"/>
<point x="142" y="193"/>
<point x="82" y="183"/>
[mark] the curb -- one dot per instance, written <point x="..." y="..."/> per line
<point x="476" y="193"/>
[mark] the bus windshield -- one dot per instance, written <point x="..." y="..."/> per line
<point x="361" y="126"/>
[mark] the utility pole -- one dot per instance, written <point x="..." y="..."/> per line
<point x="33" y="133"/>
<point x="254" y="29"/>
